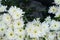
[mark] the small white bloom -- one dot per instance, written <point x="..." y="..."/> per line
<point x="35" y="39"/>
<point x="17" y="15"/>
<point x="35" y="32"/>
<point x="12" y="10"/>
<point x="15" y="12"/>
<point x="6" y="18"/>
<point x="50" y="36"/>
<point x="3" y="38"/>
<point x="57" y="2"/>
<point x="10" y="34"/>
<point x="19" y="31"/>
<point x="42" y="32"/>
<point x="36" y="23"/>
<point x="52" y="9"/>
<point x="18" y="23"/>
<point x="20" y="37"/>
<point x="29" y="30"/>
<point x="45" y="27"/>
<point x="33" y="28"/>
<point x="3" y="8"/>
<point x="48" y="19"/>
<point x="3" y="28"/>
<point x="58" y="12"/>
<point x="54" y="25"/>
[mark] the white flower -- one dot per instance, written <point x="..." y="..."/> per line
<point x="6" y="18"/>
<point x="33" y="28"/>
<point x="57" y="2"/>
<point x="20" y="37"/>
<point x="12" y="10"/>
<point x="10" y="34"/>
<point x="19" y="31"/>
<point x="35" y="39"/>
<point x="17" y="15"/>
<point x="3" y="28"/>
<point x="29" y="30"/>
<point x="3" y="38"/>
<point x="45" y="27"/>
<point x="36" y="23"/>
<point x="50" y="36"/>
<point x="52" y="9"/>
<point x="58" y="12"/>
<point x="54" y="25"/>
<point x="3" y="8"/>
<point x="15" y="12"/>
<point x="48" y="19"/>
<point x="42" y="32"/>
<point x="18" y="23"/>
<point x="35" y="32"/>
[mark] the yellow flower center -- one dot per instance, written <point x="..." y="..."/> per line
<point x="35" y="31"/>
<point x="1" y="29"/>
<point x="20" y="30"/>
<point x="11" y="34"/>
<point x="18" y="23"/>
<point x="20" y="36"/>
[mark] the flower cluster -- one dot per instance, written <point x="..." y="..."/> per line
<point x="11" y="24"/>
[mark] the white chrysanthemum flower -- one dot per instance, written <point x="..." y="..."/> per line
<point x="3" y="28"/>
<point x="18" y="23"/>
<point x="3" y="8"/>
<point x="50" y="36"/>
<point x="6" y="18"/>
<point x="3" y="38"/>
<point x="15" y="12"/>
<point x="19" y="31"/>
<point x="33" y="26"/>
<point x="10" y="34"/>
<point x="58" y="12"/>
<point x="35" y="39"/>
<point x="20" y="37"/>
<point x="45" y="27"/>
<point x="12" y="10"/>
<point x="29" y="30"/>
<point x="17" y="15"/>
<point x="48" y="19"/>
<point x="42" y="32"/>
<point x="57" y="2"/>
<point x="54" y="25"/>
<point x="52" y="9"/>
<point x="36" y="23"/>
<point x="35" y="32"/>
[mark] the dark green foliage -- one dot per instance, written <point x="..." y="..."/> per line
<point x="33" y="9"/>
